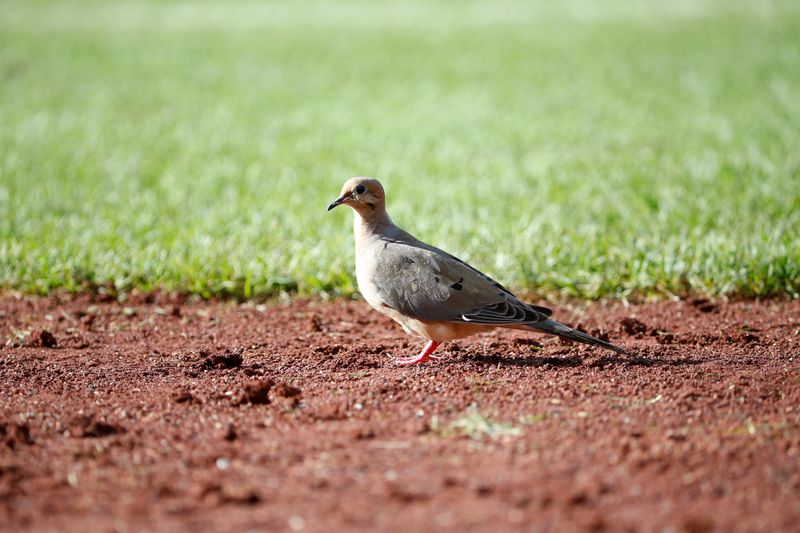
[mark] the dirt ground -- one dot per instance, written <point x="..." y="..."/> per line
<point x="162" y="414"/>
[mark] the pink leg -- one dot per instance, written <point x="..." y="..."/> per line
<point x="425" y="355"/>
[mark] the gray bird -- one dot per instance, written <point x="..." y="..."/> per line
<point x="429" y="292"/>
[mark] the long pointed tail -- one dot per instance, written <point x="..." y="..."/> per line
<point x="557" y="328"/>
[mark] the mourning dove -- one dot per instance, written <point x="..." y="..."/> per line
<point x="429" y="292"/>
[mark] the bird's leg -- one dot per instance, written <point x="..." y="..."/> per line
<point x="424" y="355"/>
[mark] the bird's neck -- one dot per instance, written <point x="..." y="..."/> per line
<point x="371" y="224"/>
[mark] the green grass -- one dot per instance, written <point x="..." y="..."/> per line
<point x="476" y="425"/>
<point x="610" y="149"/>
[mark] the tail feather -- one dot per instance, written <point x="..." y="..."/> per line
<point x="566" y="332"/>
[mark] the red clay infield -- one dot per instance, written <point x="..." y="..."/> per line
<point x="161" y="414"/>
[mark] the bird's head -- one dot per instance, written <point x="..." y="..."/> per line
<point x="365" y="195"/>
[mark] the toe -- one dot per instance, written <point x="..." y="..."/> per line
<point x="406" y="361"/>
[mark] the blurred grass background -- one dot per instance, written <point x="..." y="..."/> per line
<point x="576" y="148"/>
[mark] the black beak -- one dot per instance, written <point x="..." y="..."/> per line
<point x="336" y="202"/>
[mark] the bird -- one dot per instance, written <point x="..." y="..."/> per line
<point x="429" y="292"/>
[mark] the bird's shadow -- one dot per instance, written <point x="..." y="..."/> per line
<point x="638" y="360"/>
<point x="531" y="361"/>
<point x="574" y="360"/>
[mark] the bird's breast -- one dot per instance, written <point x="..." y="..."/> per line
<point x="365" y="272"/>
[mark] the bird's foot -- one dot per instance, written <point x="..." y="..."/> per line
<point x="425" y="355"/>
<point x="415" y="360"/>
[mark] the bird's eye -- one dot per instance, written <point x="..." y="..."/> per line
<point x="361" y="189"/>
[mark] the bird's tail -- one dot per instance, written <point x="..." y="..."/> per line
<point x="557" y="328"/>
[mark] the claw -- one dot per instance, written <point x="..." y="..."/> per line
<point x="425" y="355"/>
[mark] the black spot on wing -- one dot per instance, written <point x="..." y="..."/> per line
<point x="484" y="276"/>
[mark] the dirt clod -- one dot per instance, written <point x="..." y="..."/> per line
<point x="230" y="433"/>
<point x="314" y="323"/>
<point x="42" y="338"/>
<point x="600" y="334"/>
<point x="704" y="305"/>
<point x="284" y="390"/>
<point x="239" y="495"/>
<point x="14" y="434"/>
<point x="329" y="350"/>
<point x="89" y="426"/>
<point x="256" y="392"/>
<point x="286" y="395"/>
<point x="229" y="358"/>
<point x="184" y="395"/>
<point x="633" y="326"/>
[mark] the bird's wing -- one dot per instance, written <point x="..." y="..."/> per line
<point x="428" y="284"/>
